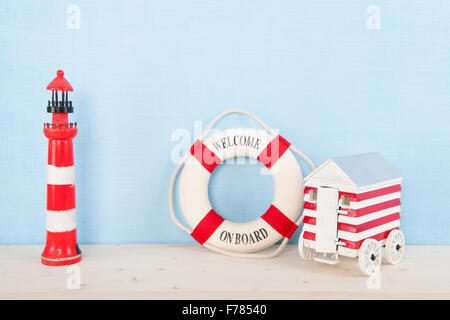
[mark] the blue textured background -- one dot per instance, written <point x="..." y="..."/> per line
<point x="142" y="69"/>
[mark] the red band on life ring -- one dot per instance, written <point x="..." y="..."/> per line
<point x="277" y="220"/>
<point x="207" y="226"/>
<point x="274" y="150"/>
<point x="205" y="156"/>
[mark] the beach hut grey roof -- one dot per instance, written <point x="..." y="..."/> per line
<point x="360" y="171"/>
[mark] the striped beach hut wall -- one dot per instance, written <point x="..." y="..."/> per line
<point x="350" y="199"/>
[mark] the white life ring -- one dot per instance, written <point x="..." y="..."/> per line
<point x="277" y="222"/>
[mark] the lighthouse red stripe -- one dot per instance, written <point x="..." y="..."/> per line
<point x="277" y="220"/>
<point x="368" y="225"/>
<point x="274" y="151"/>
<point x="67" y="238"/>
<point x="60" y="153"/>
<point x="60" y="197"/>
<point x="205" y="156"/>
<point x="206" y="227"/>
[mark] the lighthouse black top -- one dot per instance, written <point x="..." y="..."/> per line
<point x="60" y="84"/>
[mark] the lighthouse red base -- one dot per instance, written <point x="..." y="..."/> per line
<point x="61" y="249"/>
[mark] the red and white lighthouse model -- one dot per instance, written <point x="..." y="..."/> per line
<point x="61" y="247"/>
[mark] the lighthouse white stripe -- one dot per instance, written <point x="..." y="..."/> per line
<point x="61" y="221"/>
<point x="60" y="175"/>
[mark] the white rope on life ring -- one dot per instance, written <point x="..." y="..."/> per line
<point x="240" y="239"/>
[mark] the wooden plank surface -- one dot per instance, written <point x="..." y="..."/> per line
<point x="192" y="272"/>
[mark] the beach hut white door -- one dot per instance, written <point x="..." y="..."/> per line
<point x="326" y="221"/>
